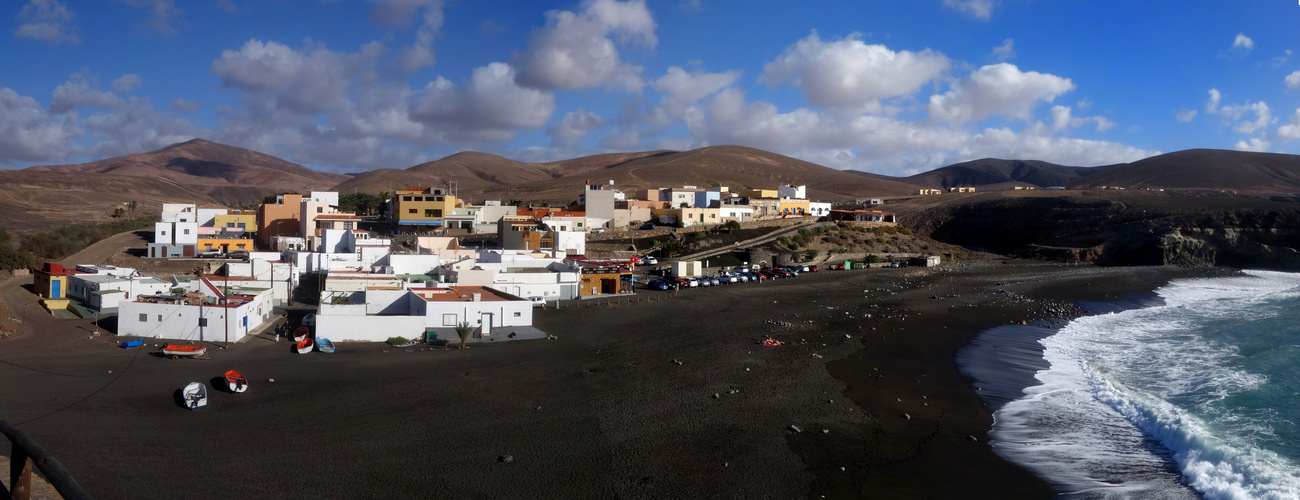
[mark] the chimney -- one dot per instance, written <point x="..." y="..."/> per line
<point x="476" y="296"/>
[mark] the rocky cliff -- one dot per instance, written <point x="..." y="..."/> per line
<point x="1125" y="229"/>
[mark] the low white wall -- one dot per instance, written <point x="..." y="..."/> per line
<point x="369" y="328"/>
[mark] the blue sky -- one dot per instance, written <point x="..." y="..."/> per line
<point x="894" y="87"/>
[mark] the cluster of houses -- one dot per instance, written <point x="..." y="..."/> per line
<point x="371" y="290"/>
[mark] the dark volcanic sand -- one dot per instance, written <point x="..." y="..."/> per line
<point x="604" y="411"/>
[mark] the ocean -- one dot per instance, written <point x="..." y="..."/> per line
<point x="1194" y="393"/>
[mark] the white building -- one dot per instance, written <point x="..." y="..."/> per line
<point x="204" y="312"/>
<point x="819" y="209"/>
<point x="791" y="191"/>
<point x="207" y="215"/>
<point x="536" y="274"/>
<point x="179" y="212"/>
<point x="102" y="287"/>
<point x="378" y="313"/>
<point x="174" y="239"/>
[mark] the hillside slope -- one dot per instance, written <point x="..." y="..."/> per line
<point x="993" y="172"/>
<point x="1204" y="169"/>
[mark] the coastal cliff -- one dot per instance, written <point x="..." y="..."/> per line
<point x="1125" y="229"/>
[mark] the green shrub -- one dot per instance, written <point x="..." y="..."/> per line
<point x="397" y="340"/>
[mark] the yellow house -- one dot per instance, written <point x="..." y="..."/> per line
<point x="241" y="219"/>
<point x="791" y="206"/>
<point x="758" y="193"/>
<point x="421" y="208"/>
<point x="224" y="245"/>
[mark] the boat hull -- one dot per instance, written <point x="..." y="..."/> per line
<point x="237" y="381"/>
<point x="305" y="346"/>
<point x="324" y="345"/>
<point x="183" y="351"/>
<point x="196" y="395"/>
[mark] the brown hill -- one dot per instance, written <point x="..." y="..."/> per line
<point x="483" y="176"/>
<point x="993" y="173"/>
<point x="36" y="200"/>
<point x="1209" y="169"/>
<point x="231" y="174"/>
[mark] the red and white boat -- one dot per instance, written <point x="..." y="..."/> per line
<point x="305" y="346"/>
<point x="183" y="351"/>
<point x="301" y="333"/>
<point x="238" y="382"/>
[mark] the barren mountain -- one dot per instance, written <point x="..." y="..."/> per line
<point x="995" y="173"/>
<point x="481" y="175"/>
<point x="1204" y="169"/>
<point x="35" y="200"/>
<point x="227" y="173"/>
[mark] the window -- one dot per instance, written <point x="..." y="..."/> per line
<point x="449" y="319"/>
<point x="187" y="231"/>
<point x="230" y="224"/>
<point x="428" y="212"/>
<point x="164" y="233"/>
<point x="320" y="210"/>
<point x="518" y="314"/>
<point x="144" y="318"/>
<point x="347" y="225"/>
<point x="160" y="318"/>
<point x="406" y="198"/>
<point x="579" y="224"/>
<point x="203" y="321"/>
<point x="411" y="211"/>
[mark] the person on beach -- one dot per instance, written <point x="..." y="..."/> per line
<point x="277" y="333"/>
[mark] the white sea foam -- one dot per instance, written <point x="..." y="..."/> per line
<point x="1131" y="395"/>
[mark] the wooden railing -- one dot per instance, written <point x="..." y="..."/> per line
<point x="26" y="454"/>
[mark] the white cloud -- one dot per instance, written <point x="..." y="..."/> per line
<point x="48" y="21"/>
<point x="848" y="71"/>
<point x="1185" y="115"/>
<point x="1255" y="144"/>
<point x="682" y="89"/>
<point x="162" y="13"/>
<point x="181" y="105"/>
<point x="1243" y="42"/>
<point x="1212" y="105"/>
<point x="1234" y="112"/>
<point x="403" y="13"/>
<point x="125" y="83"/>
<point x="272" y="75"/>
<point x="573" y="127"/>
<point x="80" y="92"/>
<point x="1281" y="60"/>
<point x="1293" y="80"/>
<point x="979" y="9"/>
<point x="1005" y="51"/>
<point x="998" y="89"/>
<point x="28" y="133"/>
<point x="1291" y="130"/>
<point x="489" y="108"/>
<point x="1062" y="118"/>
<point x="576" y="51"/>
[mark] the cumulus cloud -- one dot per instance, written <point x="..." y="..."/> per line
<point x="1212" y="105"/>
<point x="1235" y="112"/>
<point x="162" y="12"/>
<point x="1243" y="43"/>
<point x="577" y="50"/>
<point x="1062" y="118"/>
<point x="1293" y="80"/>
<point x="403" y="13"/>
<point x="125" y="83"/>
<point x="849" y="71"/>
<point x="47" y="21"/>
<point x="490" y="107"/>
<point x="80" y="92"/>
<point x="273" y="75"/>
<point x="1255" y="144"/>
<point x="682" y="89"/>
<point x="181" y="105"/>
<point x="1005" y="51"/>
<point x="29" y="133"/>
<point x="979" y="9"/>
<point x="573" y="127"/>
<point x="998" y="89"/>
<point x="1185" y="115"/>
<point x="1291" y="130"/>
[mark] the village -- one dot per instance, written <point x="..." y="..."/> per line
<point x="367" y="286"/>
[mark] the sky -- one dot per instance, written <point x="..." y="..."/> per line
<point x="892" y="87"/>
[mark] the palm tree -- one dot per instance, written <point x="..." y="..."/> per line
<point x="464" y="329"/>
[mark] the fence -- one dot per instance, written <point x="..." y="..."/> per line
<point x="25" y="454"/>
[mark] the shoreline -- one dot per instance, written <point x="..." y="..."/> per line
<point x="602" y="411"/>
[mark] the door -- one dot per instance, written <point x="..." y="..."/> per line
<point x="56" y="289"/>
<point x="485" y="322"/>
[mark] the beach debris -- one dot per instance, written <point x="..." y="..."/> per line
<point x="795" y="428"/>
<point x="732" y="391"/>
<point x="830" y="401"/>
<point x="746" y="368"/>
<point x="771" y="342"/>
<point x="826" y="431"/>
<point x="271" y="381"/>
<point x="906" y="416"/>
<point x="505" y="459"/>
<point x="110" y="372"/>
<point x="900" y="400"/>
<point x="552" y="337"/>
<point x="818" y="356"/>
<point x="676" y="362"/>
<point x="841" y="468"/>
<point x="973" y="439"/>
<point x="538" y="407"/>
<point x="847" y="336"/>
<point x="717" y="396"/>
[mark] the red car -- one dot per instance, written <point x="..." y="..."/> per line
<point x="812" y="269"/>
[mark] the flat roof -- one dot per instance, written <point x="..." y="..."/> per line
<point x="463" y="294"/>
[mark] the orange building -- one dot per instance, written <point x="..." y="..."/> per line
<point x="282" y="218"/>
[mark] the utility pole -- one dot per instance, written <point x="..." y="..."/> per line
<point x="225" y="304"/>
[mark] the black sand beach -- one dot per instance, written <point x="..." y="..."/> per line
<point x="622" y="404"/>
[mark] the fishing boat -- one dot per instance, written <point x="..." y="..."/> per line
<point x="196" y="395"/>
<point x="183" y="351"/>
<point x="324" y="345"/>
<point x="238" y="382"/>
<point x="305" y="345"/>
<point x="301" y="333"/>
<point x="133" y="343"/>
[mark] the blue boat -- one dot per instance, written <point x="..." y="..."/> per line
<point x="133" y="343"/>
<point x="325" y="345"/>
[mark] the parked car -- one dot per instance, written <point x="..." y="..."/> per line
<point x="238" y="254"/>
<point x="692" y="282"/>
<point x="682" y="282"/>
<point x="714" y="281"/>
<point x="658" y="285"/>
<point x="649" y="261"/>
<point x="812" y="269"/>
<point x="803" y="269"/>
<point x="537" y="301"/>
<point x="648" y="225"/>
<point x="597" y="230"/>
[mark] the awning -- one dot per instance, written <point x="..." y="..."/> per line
<point x="419" y="222"/>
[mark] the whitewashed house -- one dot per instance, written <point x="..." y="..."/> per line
<point x="378" y="313"/>
<point x="202" y="312"/>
